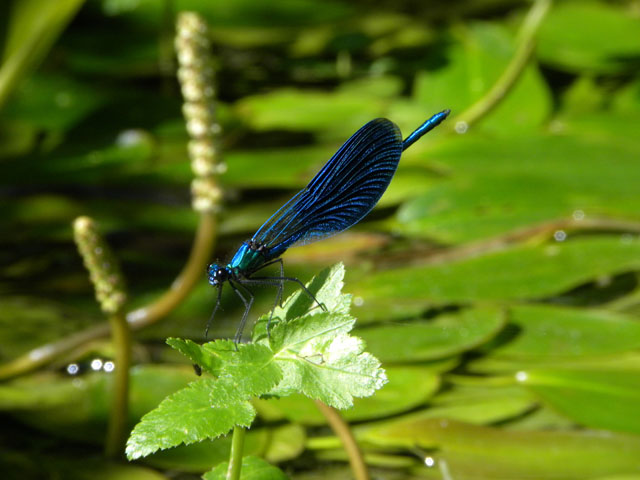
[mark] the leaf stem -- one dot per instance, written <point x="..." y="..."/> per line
<point x="116" y="431"/>
<point x="342" y="430"/>
<point x="192" y="272"/>
<point x="237" y="448"/>
<point x="511" y="74"/>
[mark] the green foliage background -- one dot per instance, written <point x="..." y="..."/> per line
<point x="497" y="280"/>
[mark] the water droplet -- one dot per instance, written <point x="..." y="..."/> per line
<point x="109" y="366"/>
<point x="96" y="364"/>
<point x="578" y="215"/>
<point x="461" y="127"/>
<point x="560" y="235"/>
<point x="358" y="301"/>
<point x="429" y="462"/>
<point x="130" y="137"/>
<point x="73" y="369"/>
<point x="522" y="376"/>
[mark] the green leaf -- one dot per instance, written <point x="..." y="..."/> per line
<point x="275" y="444"/>
<point x="248" y="372"/>
<point x="596" y="398"/>
<point x="476" y="60"/>
<point x="446" y="335"/>
<point x="327" y="289"/>
<point x="491" y="189"/>
<point x="571" y="37"/>
<point x="324" y="363"/>
<point x="480" y="452"/>
<point x="34" y="26"/>
<point x="253" y="468"/>
<point x="243" y="370"/>
<point x="312" y="354"/>
<point x="552" y="333"/>
<point x="408" y="387"/>
<point x="187" y="416"/>
<point x="474" y="405"/>
<point x="519" y="272"/>
<point x="53" y="102"/>
<point x="197" y="354"/>
<point x="310" y="110"/>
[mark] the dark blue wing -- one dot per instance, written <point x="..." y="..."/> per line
<point x="343" y="191"/>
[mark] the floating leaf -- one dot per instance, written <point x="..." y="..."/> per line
<point x="476" y="59"/>
<point x="469" y="451"/>
<point x="571" y="36"/>
<point x="595" y="398"/>
<point x="444" y="336"/>
<point x="519" y="272"/>
<point x="553" y="333"/>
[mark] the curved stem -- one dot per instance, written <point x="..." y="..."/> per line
<point x="193" y="271"/>
<point x="512" y="73"/>
<point x="237" y="448"/>
<point x="141" y="317"/>
<point x="342" y="430"/>
<point x="116" y="431"/>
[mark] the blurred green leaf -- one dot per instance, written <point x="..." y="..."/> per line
<point x="408" y="387"/>
<point x="478" y="56"/>
<point x="551" y="333"/>
<point x="515" y="273"/>
<point x="341" y="112"/>
<point x="53" y="102"/>
<point x="476" y="452"/>
<point x="233" y="12"/>
<point x="33" y="27"/>
<point x="494" y="187"/>
<point x="253" y="468"/>
<point x="77" y="407"/>
<point x="276" y="444"/>
<point x="495" y="405"/>
<point x="594" y="398"/>
<point x="588" y="36"/>
<point x="444" y="336"/>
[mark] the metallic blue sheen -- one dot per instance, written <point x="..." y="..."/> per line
<point x="424" y="128"/>
<point x="342" y="193"/>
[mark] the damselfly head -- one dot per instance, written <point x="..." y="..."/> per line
<point x="218" y="274"/>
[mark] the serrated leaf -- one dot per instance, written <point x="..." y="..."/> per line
<point x="326" y="287"/>
<point x="253" y="468"/>
<point x="195" y="352"/>
<point x="305" y="334"/>
<point x="187" y="416"/>
<point x="243" y="370"/>
<point x="248" y="372"/>
<point x="332" y="369"/>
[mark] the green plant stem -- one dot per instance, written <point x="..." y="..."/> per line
<point x="192" y="272"/>
<point x="237" y="448"/>
<point x="342" y="430"/>
<point x="118" y="414"/>
<point x="200" y="254"/>
<point x="512" y="73"/>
